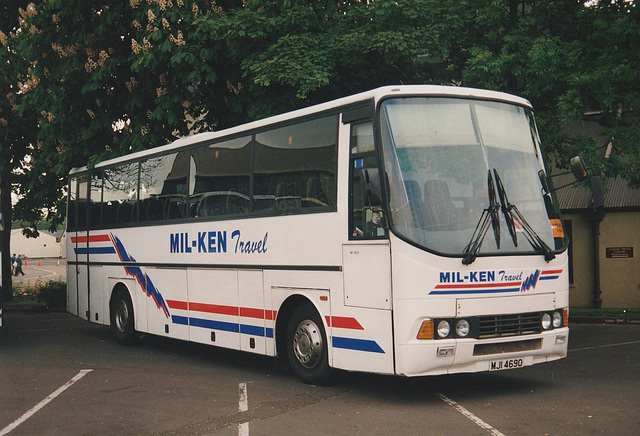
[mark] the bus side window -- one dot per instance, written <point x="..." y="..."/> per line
<point x="120" y="194"/>
<point x="367" y="218"/>
<point x="163" y="187"/>
<point x="221" y="179"/>
<point x="295" y="166"/>
<point x="95" y="200"/>
<point x="83" y="202"/>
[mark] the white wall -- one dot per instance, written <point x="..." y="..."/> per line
<point x="44" y="245"/>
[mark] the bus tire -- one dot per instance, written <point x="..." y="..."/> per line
<point x="122" y="318"/>
<point x="307" y="346"/>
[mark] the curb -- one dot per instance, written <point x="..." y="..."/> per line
<point x="603" y="320"/>
<point x="32" y="310"/>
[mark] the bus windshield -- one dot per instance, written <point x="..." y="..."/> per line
<point x="451" y="161"/>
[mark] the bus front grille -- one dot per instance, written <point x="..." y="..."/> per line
<point x="494" y="326"/>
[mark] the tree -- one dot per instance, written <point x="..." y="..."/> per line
<point x="107" y="78"/>
<point x="17" y="127"/>
<point x="302" y="52"/>
<point x="568" y="59"/>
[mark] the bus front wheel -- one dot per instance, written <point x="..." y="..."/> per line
<point x="122" y="318"/>
<point x="307" y="346"/>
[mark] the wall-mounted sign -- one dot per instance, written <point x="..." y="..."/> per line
<point x="619" y="252"/>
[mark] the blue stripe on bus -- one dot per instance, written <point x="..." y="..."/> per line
<point x="215" y="325"/>
<point x="224" y="326"/>
<point x="337" y="341"/>
<point x="548" y="277"/>
<point x="95" y="250"/>
<point x="356" y="344"/>
<point x="469" y="291"/>
<point x="252" y="330"/>
<point x="180" y="320"/>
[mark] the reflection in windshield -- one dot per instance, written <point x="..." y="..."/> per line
<point x="437" y="153"/>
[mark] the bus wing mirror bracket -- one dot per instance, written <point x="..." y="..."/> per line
<point x="579" y="170"/>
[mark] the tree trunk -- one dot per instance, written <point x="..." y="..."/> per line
<point x="5" y="238"/>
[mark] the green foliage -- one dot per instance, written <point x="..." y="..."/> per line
<point x="567" y="59"/>
<point x="100" y="79"/>
<point x="51" y="294"/>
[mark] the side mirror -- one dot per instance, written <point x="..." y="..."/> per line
<point x="579" y="169"/>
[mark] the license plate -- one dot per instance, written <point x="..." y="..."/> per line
<point x="499" y="365"/>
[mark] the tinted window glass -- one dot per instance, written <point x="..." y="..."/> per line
<point x="163" y="187"/>
<point x="221" y="179"/>
<point x="71" y="208"/>
<point x="95" y="200"/>
<point x="83" y="198"/>
<point x="295" y="166"/>
<point x="120" y="194"/>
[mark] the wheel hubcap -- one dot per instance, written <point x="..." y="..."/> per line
<point x="307" y="344"/>
<point x="122" y="317"/>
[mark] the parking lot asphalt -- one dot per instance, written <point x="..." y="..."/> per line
<point x="62" y="375"/>
<point x="43" y="270"/>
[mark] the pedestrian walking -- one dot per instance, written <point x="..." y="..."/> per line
<point x="19" y="265"/>
<point x="13" y="264"/>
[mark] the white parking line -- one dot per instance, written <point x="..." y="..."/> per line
<point x="243" y="406"/>
<point x="44" y="402"/>
<point x="470" y="415"/>
<point x="604" y="346"/>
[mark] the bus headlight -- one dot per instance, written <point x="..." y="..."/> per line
<point x="546" y="321"/>
<point x="463" y="328"/>
<point x="444" y="328"/>
<point x="557" y="319"/>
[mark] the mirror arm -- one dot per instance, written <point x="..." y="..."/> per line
<point x="565" y="186"/>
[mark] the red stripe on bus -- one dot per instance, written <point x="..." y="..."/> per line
<point x="553" y="271"/>
<point x="214" y="308"/>
<point x="247" y="312"/>
<point x="180" y="305"/>
<point x="480" y="285"/>
<point x="94" y="238"/>
<point x="343" y="322"/>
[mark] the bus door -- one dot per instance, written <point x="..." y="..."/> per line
<point x="78" y="278"/>
<point x="366" y="264"/>
<point x="367" y="257"/>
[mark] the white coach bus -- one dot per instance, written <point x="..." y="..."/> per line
<point x="406" y="230"/>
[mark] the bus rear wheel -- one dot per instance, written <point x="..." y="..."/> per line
<point x="122" y="318"/>
<point x="307" y="346"/>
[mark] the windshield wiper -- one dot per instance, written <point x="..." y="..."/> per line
<point x="490" y="214"/>
<point x="511" y="214"/>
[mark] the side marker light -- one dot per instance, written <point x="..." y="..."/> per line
<point x="426" y="330"/>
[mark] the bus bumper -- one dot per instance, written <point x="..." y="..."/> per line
<point x="450" y="356"/>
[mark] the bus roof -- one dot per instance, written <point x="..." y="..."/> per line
<point x="375" y="95"/>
